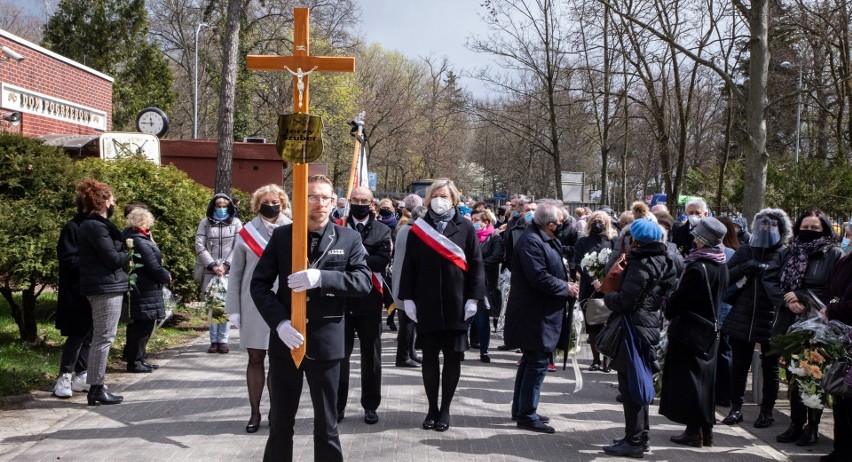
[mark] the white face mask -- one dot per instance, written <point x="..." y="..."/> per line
<point x="694" y="219"/>
<point x="440" y="205"/>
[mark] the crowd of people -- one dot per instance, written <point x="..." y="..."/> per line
<point x="697" y="296"/>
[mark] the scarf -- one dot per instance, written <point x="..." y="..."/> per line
<point x="390" y="221"/>
<point x="442" y="220"/>
<point x="797" y="265"/>
<point x="484" y="233"/>
<point x="144" y="232"/>
<point x="714" y="254"/>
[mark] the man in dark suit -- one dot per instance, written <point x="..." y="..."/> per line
<point x="364" y="314"/>
<point x="536" y="308"/>
<point x="337" y="270"/>
<point x="682" y="237"/>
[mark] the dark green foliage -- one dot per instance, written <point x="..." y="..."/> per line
<point x="146" y="81"/>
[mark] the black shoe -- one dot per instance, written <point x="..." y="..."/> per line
<point x="429" y="423"/>
<point x="707" y="438"/>
<point x="152" y="366"/>
<point x="98" y="394"/>
<point x="733" y="418"/>
<point x="139" y="368"/>
<point x="695" y="440"/>
<point x="764" y="420"/>
<point x="606" y="368"/>
<point x="625" y="449"/>
<point x="407" y="363"/>
<point x="619" y="398"/>
<point x="810" y="435"/>
<point x="370" y="417"/>
<point x="443" y="423"/>
<point x="541" y="417"/>
<point x="793" y="432"/>
<point x="253" y="425"/>
<point x="646" y="446"/>
<point x="594" y="367"/>
<point x="505" y="347"/>
<point x="485" y="358"/>
<point x="536" y="426"/>
<point x="417" y="359"/>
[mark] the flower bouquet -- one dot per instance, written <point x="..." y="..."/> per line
<point x="214" y="299"/>
<point x="593" y="263"/>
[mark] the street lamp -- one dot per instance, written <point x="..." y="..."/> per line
<point x="789" y="65"/>
<point x="195" y="85"/>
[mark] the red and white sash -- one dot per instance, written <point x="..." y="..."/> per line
<point x="253" y="238"/>
<point x="440" y="243"/>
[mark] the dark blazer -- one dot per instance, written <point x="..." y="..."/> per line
<point x="820" y="265"/>
<point x="103" y="257"/>
<point x="341" y="258"/>
<point x="437" y="286"/>
<point x="376" y="237"/>
<point x="754" y="307"/>
<point x="146" y="296"/>
<point x="539" y="292"/>
<point x="682" y="237"/>
<point x="73" y="313"/>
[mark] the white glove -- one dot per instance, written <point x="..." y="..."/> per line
<point x="469" y="309"/>
<point x="234" y="319"/>
<point x="410" y="309"/>
<point x="304" y="280"/>
<point x="289" y="335"/>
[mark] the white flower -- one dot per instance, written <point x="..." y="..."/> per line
<point x="129" y="243"/>
<point x="812" y="401"/>
<point x="795" y="369"/>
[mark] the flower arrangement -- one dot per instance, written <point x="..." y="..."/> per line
<point x="595" y="262"/>
<point x="214" y="299"/>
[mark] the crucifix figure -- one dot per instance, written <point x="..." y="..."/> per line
<point x="301" y="59"/>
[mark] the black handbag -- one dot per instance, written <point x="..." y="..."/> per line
<point x="694" y="330"/>
<point x="609" y="339"/>
<point x="834" y="380"/>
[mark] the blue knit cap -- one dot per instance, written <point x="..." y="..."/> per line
<point x="645" y="231"/>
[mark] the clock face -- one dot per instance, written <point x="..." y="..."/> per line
<point x="152" y="121"/>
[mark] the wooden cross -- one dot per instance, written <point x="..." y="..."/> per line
<point x="300" y="65"/>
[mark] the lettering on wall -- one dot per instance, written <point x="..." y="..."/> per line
<point x="29" y="102"/>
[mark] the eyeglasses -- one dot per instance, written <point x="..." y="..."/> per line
<point x="324" y="200"/>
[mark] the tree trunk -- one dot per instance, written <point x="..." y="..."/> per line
<point x="726" y="151"/>
<point x="757" y="159"/>
<point x="23" y="314"/>
<point x="227" y="97"/>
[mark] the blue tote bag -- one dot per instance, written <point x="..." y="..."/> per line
<point x="640" y="380"/>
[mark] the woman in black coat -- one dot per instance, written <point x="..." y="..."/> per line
<point x="441" y="283"/>
<point x="648" y="277"/>
<point x="688" y="374"/>
<point x="491" y="246"/>
<point x="146" y="295"/>
<point x="806" y="268"/>
<point x="838" y="302"/>
<point x="103" y="280"/>
<point x="754" y="278"/>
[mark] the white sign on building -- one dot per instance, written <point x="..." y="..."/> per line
<point x="115" y="145"/>
<point x="29" y="102"/>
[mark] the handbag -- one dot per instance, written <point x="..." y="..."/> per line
<point x="609" y="338"/>
<point x="640" y="379"/>
<point x="596" y="311"/>
<point x="694" y="330"/>
<point x="613" y="276"/>
<point x="834" y="380"/>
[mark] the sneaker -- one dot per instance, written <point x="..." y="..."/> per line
<point x="625" y="449"/>
<point x="551" y="368"/>
<point x="79" y="382"/>
<point x="62" y="389"/>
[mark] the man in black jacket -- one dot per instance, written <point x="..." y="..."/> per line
<point x="696" y="209"/>
<point x="337" y="269"/>
<point x="364" y="314"/>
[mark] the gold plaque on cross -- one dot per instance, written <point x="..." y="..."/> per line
<point x="299" y="137"/>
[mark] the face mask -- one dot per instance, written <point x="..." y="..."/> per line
<point x="694" y="219"/>
<point x="440" y="205"/>
<point x="597" y="228"/>
<point x="270" y="211"/>
<point x="220" y="213"/>
<point x="110" y="210"/>
<point x="515" y="214"/>
<point x="477" y="226"/>
<point x="359" y="211"/>
<point x="385" y="213"/>
<point x="809" y="236"/>
<point x="844" y="244"/>
<point x="528" y="217"/>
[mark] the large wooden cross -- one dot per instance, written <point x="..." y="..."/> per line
<point x="300" y="65"/>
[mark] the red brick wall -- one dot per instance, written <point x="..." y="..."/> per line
<point x="47" y="75"/>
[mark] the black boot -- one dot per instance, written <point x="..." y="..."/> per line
<point x="793" y="432"/>
<point x="689" y="439"/>
<point x="99" y="394"/>
<point x="765" y="419"/>
<point x="735" y="416"/>
<point x="810" y="436"/>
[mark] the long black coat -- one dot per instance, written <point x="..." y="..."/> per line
<point x="103" y="257"/>
<point x="146" y="296"/>
<point x="753" y="310"/>
<point x="73" y="312"/>
<point x="492" y="254"/>
<point x="376" y="237"/>
<point x="536" y="305"/>
<point x="343" y="261"/>
<point x="438" y="287"/>
<point x="689" y="379"/>
<point x="584" y="245"/>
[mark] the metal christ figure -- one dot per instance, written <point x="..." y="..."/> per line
<point x="299" y="75"/>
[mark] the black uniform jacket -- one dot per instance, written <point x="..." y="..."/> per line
<point x="376" y="237"/>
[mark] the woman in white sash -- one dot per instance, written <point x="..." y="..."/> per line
<point x="268" y="204"/>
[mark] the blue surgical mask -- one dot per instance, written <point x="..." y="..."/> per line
<point x="528" y="217"/>
<point x="220" y="213"/>
<point x="477" y="226"/>
<point x="515" y="214"/>
<point x="844" y="244"/>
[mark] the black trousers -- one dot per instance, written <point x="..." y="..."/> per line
<point x="138" y="334"/>
<point x="405" y="338"/>
<point x="741" y="355"/>
<point x="369" y="329"/>
<point x="636" y="423"/>
<point x="723" y="370"/>
<point x="75" y="353"/>
<point x="323" y="378"/>
<point x="843" y="427"/>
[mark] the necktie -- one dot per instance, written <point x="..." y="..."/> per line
<point x="360" y="227"/>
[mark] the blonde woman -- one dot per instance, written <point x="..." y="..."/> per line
<point x="268" y="204"/>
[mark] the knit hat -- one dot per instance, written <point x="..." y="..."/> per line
<point x="710" y="231"/>
<point x="644" y="231"/>
<point x="412" y="201"/>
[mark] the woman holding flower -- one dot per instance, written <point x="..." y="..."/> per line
<point x="598" y="236"/>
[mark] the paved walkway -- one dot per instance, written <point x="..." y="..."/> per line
<point x="194" y="408"/>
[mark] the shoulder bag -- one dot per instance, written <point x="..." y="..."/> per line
<point x="834" y="380"/>
<point x="596" y="311"/>
<point x="609" y="338"/>
<point x="613" y="276"/>
<point x="694" y="330"/>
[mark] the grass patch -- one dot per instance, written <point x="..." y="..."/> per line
<point x="28" y="367"/>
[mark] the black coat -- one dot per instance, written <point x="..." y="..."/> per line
<point x="376" y="237"/>
<point x="343" y="261"/>
<point x="536" y="305"/>
<point x="438" y="287"/>
<point x="492" y="250"/>
<point x="73" y="312"/>
<point x="146" y="296"/>
<point x="820" y="265"/>
<point x="510" y="237"/>
<point x="103" y="257"/>
<point x="586" y="244"/>
<point x="568" y="237"/>
<point x="682" y="237"/>
<point x="688" y="378"/>
<point x="755" y="304"/>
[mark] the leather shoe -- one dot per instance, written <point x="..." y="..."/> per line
<point x="707" y="438"/>
<point x="98" y="394"/>
<point x="371" y="417"/>
<point x="733" y="418"/>
<point x="214" y="348"/>
<point x="541" y="417"/>
<point x="536" y="426"/>
<point x="223" y="348"/>
<point x="695" y="440"/>
<point x="764" y="420"/>
<point x="505" y="347"/>
<point x="152" y="366"/>
<point x="646" y="446"/>
<point x="793" y="432"/>
<point x="139" y="368"/>
<point x="429" y="423"/>
<point x="485" y="358"/>
<point x="407" y="363"/>
<point x="417" y="359"/>
<point x="810" y="436"/>
<point x="625" y="449"/>
<point x="253" y="425"/>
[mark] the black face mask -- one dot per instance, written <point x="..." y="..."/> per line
<point x="270" y="211"/>
<point x="809" y="236"/>
<point x="110" y="211"/>
<point x="597" y="228"/>
<point x="359" y="211"/>
<point x="385" y="213"/>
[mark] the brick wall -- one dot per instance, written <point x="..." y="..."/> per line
<point x="42" y="73"/>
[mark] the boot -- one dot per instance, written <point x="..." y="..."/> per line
<point x="689" y="439"/>
<point x="707" y="438"/>
<point x="765" y="419"/>
<point x="810" y="435"/>
<point x="793" y="432"/>
<point x="99" y="394"/>
<point x="735" y="416"/>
